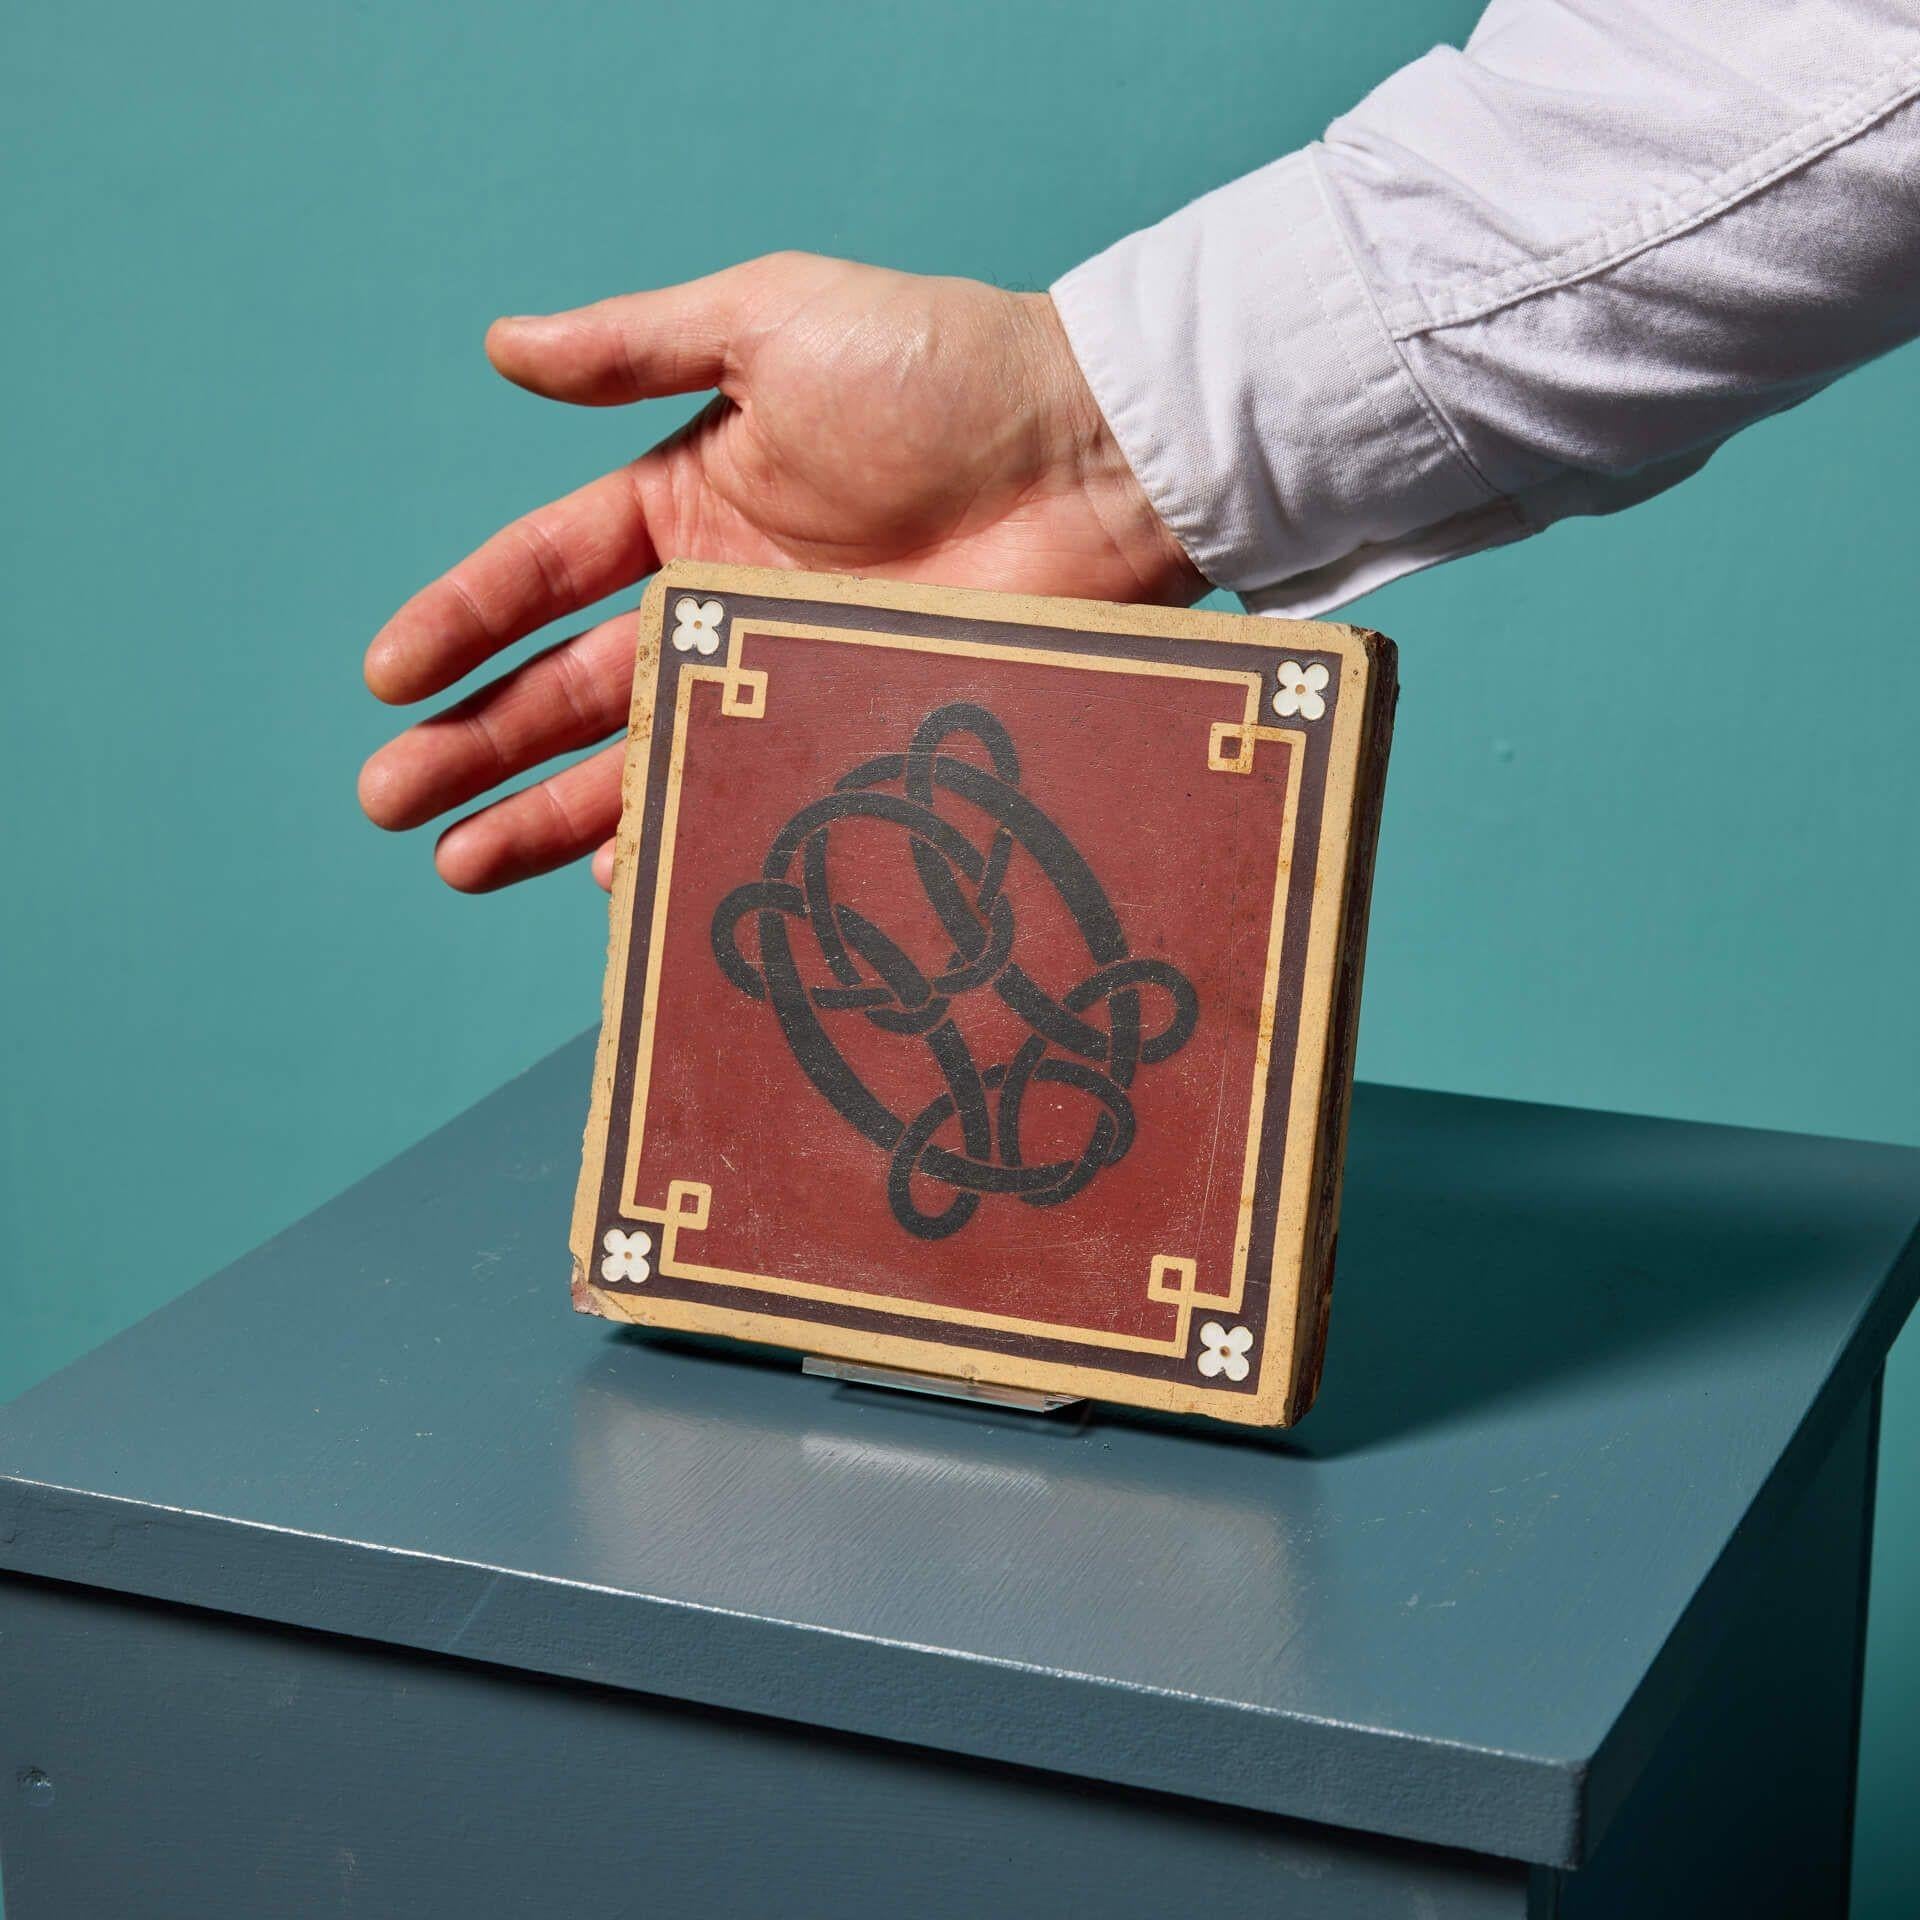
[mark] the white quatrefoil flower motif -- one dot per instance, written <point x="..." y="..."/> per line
<point x="696" y="626"/>
<point x="1224" y="1350"/>
<point x="627" y="1257"/>
<point x="1299" y="692"/>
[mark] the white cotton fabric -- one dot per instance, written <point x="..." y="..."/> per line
<point x="1546" y="274"/>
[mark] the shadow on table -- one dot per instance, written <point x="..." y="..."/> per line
<point x="1493" y="1252"/>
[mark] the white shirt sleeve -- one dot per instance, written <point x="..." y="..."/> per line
<point x="1544" y="275"/>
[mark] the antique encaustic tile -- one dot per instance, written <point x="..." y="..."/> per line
<point x="983" y="984"/>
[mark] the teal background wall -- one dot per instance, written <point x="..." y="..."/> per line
<point x="1651" y="830"/>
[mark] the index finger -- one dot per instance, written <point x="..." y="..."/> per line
<point x="551" y="562"/>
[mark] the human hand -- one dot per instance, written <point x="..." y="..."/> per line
<point x="866" y="422"/>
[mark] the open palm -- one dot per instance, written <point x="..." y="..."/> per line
<point x="865" y="421"/>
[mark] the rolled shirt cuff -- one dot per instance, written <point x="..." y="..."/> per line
<point x="1239" y="358"/>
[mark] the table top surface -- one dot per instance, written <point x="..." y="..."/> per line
<point x="1578" y="1362"/>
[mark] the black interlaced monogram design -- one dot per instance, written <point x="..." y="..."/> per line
<point x="872" y="976"/>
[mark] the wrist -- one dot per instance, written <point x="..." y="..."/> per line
<point x="1084" y="449"/>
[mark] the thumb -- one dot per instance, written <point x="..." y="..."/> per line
<point x="632" y="347"/>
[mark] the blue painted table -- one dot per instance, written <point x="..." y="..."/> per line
<point x="367" y="1579"/>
